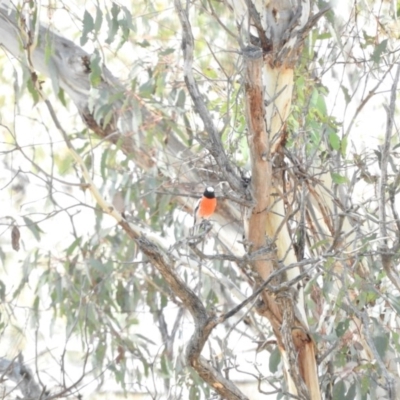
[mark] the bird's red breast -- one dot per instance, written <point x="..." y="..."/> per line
<point x="206" y="205"/>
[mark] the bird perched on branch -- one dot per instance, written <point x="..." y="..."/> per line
<point x="205" y="206"/>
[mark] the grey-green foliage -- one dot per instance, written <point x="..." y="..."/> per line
<point x="105" y="294"/>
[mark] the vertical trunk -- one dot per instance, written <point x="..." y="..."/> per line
<point x="269" y="73"/>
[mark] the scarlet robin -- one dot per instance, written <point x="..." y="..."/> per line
<point x="205" y="206"/>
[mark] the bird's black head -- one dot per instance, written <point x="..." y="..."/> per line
<point x="209" y="192"/>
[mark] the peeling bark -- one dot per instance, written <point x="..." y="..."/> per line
<point x="268" y="77"/>
<point x="261" y="172"/>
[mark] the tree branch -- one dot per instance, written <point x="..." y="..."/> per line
<point x="19" y="373"/>
<point x="386" y="253"/>
<point x="69" y="65"/>
<point x="204" y="324"/>
<point x="164" y="263"/>
<point x="215" y="145"/>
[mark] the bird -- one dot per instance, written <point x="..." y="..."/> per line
<point x="205" y="206"/>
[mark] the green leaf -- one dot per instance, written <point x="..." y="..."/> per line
<point x="147" y="89"/>
<point x="393" y="164"/>
<point x="100" y="353"/>
<point x="346" y="94"/>
<point x="300" y="86"/>
<point x="321" y="106"/>
<point x="2" y="255"/>
<point x="325" y="35"/>
<point x="314" y="98"/>
<point x="104" y="268"/>
<point x="73" y="246"/>
<point x="33" y="227"/>
<point x="164" y="205"/>
<point x="145" y="43"/>
<point x="274" y="360"/>
<point x="320" y="243"/>
<point x="108" y="116"/>
<point x="194" y="393"/>
<point x="143" y="337"/>
<point x="122" y="295"/>
<point x="99" y="19"/>
<point x="100" y="113"/>
<point x="339" y="391"/>
<point x="334" y="140"/>
<point x="365" y="386"/>
<point x="136" y="115"/>
<point x="342" y="327"/>
<point x="32" y="90"/>
<point x="112" y="23"/>
<point x="396" y="340"/>
<point x="164" y="301"/>
<point x="395" y="302"/>
<point x="48" y="48"/>
<point x="95" y="69"/>
<point x="35" y="310"/>
<point x="125" y="23"/>
<point x="53" y="72"/>
<point x="128" y="18"/>
<point x="103" y="163"/>
<point x="61" y="97"/>
<point x="165" y="366"/>
<point x="167" y="51"/>
<point x="2" y="291"/>
<point x="378" y="156"/>
<point x="378" y="51"/>
<point x="339" y="179"/>
<point x="34" y="13"/>
<point x="381" y="342"/>
<point x="181" y="100"/>
<point x="88" y="25"/>
<point x="351" y="393"/>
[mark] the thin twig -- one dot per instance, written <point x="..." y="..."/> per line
<point x="386" y="253"/>
<point x="274" y="289"/>
<point x="214" y="146"/>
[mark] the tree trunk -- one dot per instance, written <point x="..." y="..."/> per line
<point x="269" y="72"/>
